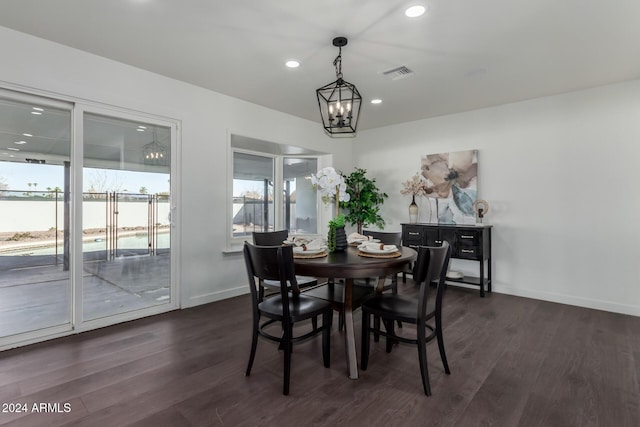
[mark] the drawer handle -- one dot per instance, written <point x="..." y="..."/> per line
<point x="467" y="251"/>
<point x="466" y="237"/>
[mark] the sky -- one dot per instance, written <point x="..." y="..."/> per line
<point x="18" y="176"/>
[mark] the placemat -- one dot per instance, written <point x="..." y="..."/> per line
<point x="318" y="255"/>
<point x="389" y="255"/>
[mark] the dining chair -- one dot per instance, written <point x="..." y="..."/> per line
<point x="391" y="238"/>
<point x="431" y="265"/>
<point x="288" y="308"/>
<point x="275" y="238"/>
<point x="387" y="238"/>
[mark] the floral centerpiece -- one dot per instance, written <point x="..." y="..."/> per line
<point x="332" y="187"/>
<point x="416" y="186"/>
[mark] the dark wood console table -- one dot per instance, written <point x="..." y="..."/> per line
<point x="470" y="242"/>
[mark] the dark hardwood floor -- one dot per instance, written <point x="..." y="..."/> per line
<point x="514" y="362"/>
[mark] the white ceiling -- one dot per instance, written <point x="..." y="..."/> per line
<point x="466" y="54"/>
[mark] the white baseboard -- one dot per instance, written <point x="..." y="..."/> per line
<point x="614" y="307"/>
<point x="215" y="296"/>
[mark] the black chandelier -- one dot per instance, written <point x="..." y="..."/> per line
<point x="339" y="101"/>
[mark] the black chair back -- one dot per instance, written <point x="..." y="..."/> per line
<point x="386" y="237"/>
<point x="270" y="238"/>
<point x="271" y="263"/>
<point x="275" y="263"/>
<point x="431" y="266"/>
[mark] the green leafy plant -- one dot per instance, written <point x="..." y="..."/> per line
<point x="337" y="221"/>
<point x="365" y="200"/>
<point x="334" y="224"/>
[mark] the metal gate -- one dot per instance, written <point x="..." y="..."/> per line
<point x="136" y="226"/>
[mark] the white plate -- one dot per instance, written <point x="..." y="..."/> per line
<point x="454" y="275"/>
<point x="300" y="250"/>
<point x="374" y="250"/>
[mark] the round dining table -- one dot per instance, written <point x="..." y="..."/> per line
<point x="349" y="265"/>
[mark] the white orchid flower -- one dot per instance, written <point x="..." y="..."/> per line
<point x="330" y="184"/>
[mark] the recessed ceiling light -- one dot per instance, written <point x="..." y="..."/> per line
<point x="20" y="142"/>
<point x="140" y="130"/>
<point x="27" y="134"/>
<point x="415" y="11"/>
<point x="37" y="113"/>
<point x="37" y="109"/>
<point x="13" y="149"/>
<point x="376" y="101"/>
<point x="292" y="63"/>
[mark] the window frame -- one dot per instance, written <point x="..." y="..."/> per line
<point x="278" y="191"/>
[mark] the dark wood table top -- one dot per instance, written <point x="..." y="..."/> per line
<point x="349" y="264"/>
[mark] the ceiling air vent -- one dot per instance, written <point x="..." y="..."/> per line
<point x="398" y="73"/>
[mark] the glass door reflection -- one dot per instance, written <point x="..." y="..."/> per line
<point x="126" y="228"/>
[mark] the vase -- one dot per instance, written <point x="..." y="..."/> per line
<point x="337" y="239"/>
<point x="413" y="211"/>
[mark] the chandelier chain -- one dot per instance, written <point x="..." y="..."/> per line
<point x="338" y="64"/>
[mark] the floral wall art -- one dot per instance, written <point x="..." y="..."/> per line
<point x="451" y="185"/>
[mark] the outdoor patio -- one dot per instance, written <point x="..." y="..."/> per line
<point x="34" y="296"/>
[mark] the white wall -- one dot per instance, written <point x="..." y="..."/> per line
<point x="206" y="274"/>
<point x="559" y="174"/>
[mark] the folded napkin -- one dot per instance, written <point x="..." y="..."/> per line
<point x="316" y="244"/>
<point x="297" y="241"/>
<point x="378" y="246"/>
<point x="356" y="237"/>
<point x="313" y="245"/>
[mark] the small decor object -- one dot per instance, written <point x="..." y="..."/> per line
<point x="481" y="208"/>
<point x="339" y="101"/>
<point x="413" y="211"/>
<point x="416" y="186"/>
<point x="365" y="199"/>
<point x="332" y="187"/>
<point x="337" y="237"/>
<point x="453" y="179"/>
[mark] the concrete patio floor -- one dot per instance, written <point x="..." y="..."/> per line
<point x="35" y="296"/>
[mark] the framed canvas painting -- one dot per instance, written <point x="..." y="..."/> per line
<point x="452" y="185"/>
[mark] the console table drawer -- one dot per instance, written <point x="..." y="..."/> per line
<point x="468" y="238"/>
<point x="468" y="252"/>
<point x="414" y="236"/>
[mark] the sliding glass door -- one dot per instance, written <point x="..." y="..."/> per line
<point x="85" y="217"/>
<point x="126" y="217"/>
<point x="35" y="274"/>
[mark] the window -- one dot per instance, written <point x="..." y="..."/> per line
<point x="269" y="188"/>
<point x="300" y="200"/>
<point x="253" y="178"/>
